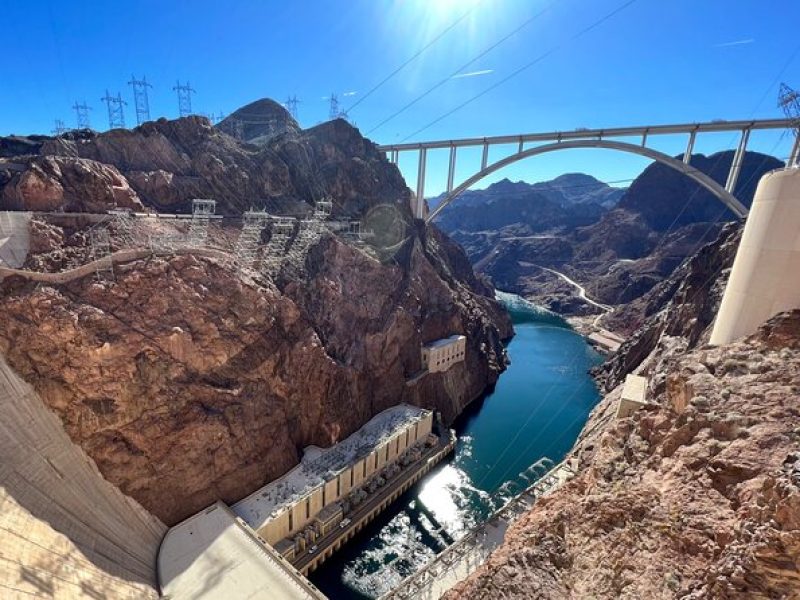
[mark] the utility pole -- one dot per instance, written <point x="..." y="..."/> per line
<point x="184" y="98"/>
<point x="291" y="106"/>
<point x="140" y="99"/>
<point x="59" y="128"/>
<point x="116" y="118"/>
<point x="82" y="115"/>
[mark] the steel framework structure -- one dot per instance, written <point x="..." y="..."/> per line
<point x="140" y="100"/>
<point x="116" y="116"/>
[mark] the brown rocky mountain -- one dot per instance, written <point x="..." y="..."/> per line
<point x="621" y="254"/>
<point x="164" y="164"/>
<point x="186" y="381"/>
<point x="696" y="495"/>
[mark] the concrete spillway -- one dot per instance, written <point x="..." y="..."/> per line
<point x="765" y="278"/>
<point x="66" y="531"/>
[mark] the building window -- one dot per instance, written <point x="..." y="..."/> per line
<point x="376" y="460"/>
<point x="351" y="476"/>
<point x="365" y="468"/>
<point x="308" y="508"/>
<point x="323" y="495"/>
<point x="291" y="525"/>
<point x="338" y="486"/>
<point x="387" y="452"/>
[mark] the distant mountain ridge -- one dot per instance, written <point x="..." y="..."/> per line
<point x="569" y="201"/>
<point x="513" y="229"/>
<point x="564" y="190"/>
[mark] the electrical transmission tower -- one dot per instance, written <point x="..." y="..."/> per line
<point x="116" y="118"/>
<point x="140" y="99"/>
<point x="789" y="101"/>
<point x="82" y="115"/>
<point x="291" y="106"/>
<point x="59" y="128"/>
<point x="334" y="112"/>
<point x="184" y="98"/>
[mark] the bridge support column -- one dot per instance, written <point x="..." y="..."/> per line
<point x="765" y="278"/>
<point x="687" y="155"/>
<point x="419" y="209"/>
<point x="485" y="156"/>
<point x="451" y="169"/>
<point x="394" y="156"/>
<point x="736" y="165"/>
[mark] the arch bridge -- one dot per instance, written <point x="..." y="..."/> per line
<point x="594" y="138"/>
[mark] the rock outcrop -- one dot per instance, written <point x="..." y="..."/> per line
<point x="186" y="380"/>
<point x="167" y="163"/>
<point x="697" y="495"/>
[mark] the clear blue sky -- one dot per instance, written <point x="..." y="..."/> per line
<point x="658" y="61"/>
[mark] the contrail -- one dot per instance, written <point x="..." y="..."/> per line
<point x="349" y="94"/>
<point x="735" y="43"/>
<point x="472" y="74"/>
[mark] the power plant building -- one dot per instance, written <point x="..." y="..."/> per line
<point x="290" y="512"/>
<point x="442" y="354"/>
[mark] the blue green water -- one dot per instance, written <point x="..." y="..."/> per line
<point x="537" y="409"/>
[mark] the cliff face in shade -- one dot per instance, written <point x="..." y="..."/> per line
<point x="695" y="496"/>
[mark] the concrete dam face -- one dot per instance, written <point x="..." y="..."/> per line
<point x="68" y="533"/>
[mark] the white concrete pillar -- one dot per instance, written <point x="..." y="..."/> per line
<point x="765" y="278"/>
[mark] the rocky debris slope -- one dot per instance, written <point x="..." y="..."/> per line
<point x="696" y="496"/>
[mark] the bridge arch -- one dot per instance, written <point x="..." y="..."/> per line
<point x="699" y="177"/>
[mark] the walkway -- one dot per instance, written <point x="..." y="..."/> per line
<point x="119" y="257"/>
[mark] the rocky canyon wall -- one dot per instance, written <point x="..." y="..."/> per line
<point x="696" y="495"/>
<point x="188" y="381"/>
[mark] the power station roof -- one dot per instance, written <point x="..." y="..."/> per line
<point x="320" y="465"/>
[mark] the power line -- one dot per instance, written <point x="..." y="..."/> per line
<point x="462" y="67"/>
<point x="525" y="67"/>
<point x="416" y="55"/>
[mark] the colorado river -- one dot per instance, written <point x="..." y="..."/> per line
<point x="537" y="409"/>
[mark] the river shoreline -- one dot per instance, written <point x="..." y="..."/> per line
<point x="537" y="408"/>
